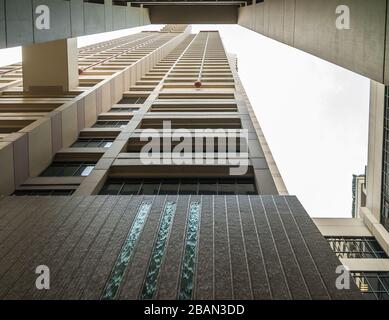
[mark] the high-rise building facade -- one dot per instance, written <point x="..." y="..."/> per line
<point x="362" y="242"/>
<point x="146" y="176"/>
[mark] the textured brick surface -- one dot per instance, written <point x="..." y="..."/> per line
<point x="248" y="247"/>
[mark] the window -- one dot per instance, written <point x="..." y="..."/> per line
<point x="158" y="123"/>
<point x="189" y="186"/>
<point x="385" y="166"/>
<point x="124" y="110"/>
<point x="69" y="169"/>
<point x="356" y="248"/>
<point x="132" y="100"/>
<point x="110" y="124"/>
<point x="374" y="285"/>
<point x="93" y="143"/>
<point x="37" y="192"/>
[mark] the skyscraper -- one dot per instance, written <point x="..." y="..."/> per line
<point x="155" y="179"/>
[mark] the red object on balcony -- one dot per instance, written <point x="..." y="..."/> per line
<point x="198" y="84"/>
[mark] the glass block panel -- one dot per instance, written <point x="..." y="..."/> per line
<point x="124" y="256"/>
<point x="189" y="258"/>
<point x="158" y="251"/>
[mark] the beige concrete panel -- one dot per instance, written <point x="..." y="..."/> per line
<point x="289" y="16"/>
<point x="90" y="109"/>
<point x="93" y="183"/>
<point x="265" y="182"/>
<point x="104" y="164"/>
<point x="81" y="114"/>
<point x="361" y="48"/>
<point x="243" y="17"/>
<point x="50" y="65"/>
<point x="119" y="88"/>
<point x="275" y="11"/>
<point x="72" y="62"/>
<point x="374" y="167"/>
<point x="7" y="182"/>
<point x="266" y="18"/>
<point x="115" y="149"/>
<point x="39" y="146"/>
<point x="132" y="75"/>
<point x="106" y="97"/>
<point x="69" y="125"/>
<point x="258" y="17"/>
<point x="339" y="222"/>
<point x="376" y="228"/>
<point x="20" y="152"/>
<point x="346" y="227"/>
<point x="99" y="101"/>
<point x="146" y="16"/>
<point x="53" y="181"/>
<point x="377" y="265"/>
<point x="127" y="80"/>
<point x="112" y="89"/>
<point x="56" y="131"/>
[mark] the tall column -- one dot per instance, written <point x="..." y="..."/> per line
<point x="50" y="66"/>
<point x="376" y="134"/>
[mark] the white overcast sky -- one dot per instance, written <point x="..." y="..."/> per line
<point x="314" y="114"/>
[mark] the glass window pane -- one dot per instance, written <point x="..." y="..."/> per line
<point x="62" y="192"/>
<point x="207" y="186"/>
<point x="86" y="170"/>
<point x="52" y="171"/>
<point x="245" y="186"/>
<point x="94" y="144"/>
<point x="130" y="188"/>
<point x="111" y="188"/>
<point x="385" y="282"/>
<point x="80" y="144"/>
<point x="169" y="187"/>
<point x="70" y="169"/>
<point x="374" y="283"/>
<point x="188" y="186"/>
<point x="226" y="186"/>
<point x="150" y="187"/>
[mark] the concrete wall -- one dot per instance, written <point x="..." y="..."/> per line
<point x="287" y="259"/>
<point x="310" y="25"/>
<point x="67" y="19"/>
<point x="193" y="14"/>
<point x="116" y="87"/>
<point x="23" y="154"/>
<point x="342" y="227"/>
<point x="375" y="156"/>
<point x="51" y="65"/>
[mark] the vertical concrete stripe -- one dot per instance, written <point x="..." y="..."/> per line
<point x="81" y="114"/>
<point x="56" y="132"/>
<point x="21" y="159"/>
<point x="170" y="271"/>
<point x="223" y="279"/>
